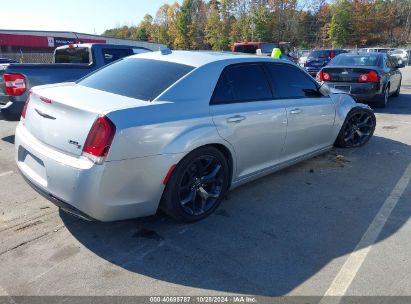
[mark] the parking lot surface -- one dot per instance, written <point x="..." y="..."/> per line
<point x="336" y="224"/>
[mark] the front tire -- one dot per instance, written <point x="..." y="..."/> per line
<point x="358" y="128"/>
<point x="197" y="185"/>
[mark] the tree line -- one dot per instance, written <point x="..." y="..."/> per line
<point x="217" y="24"/>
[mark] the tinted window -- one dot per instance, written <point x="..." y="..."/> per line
<point x="246" y="48"/>
<point x="72" y="55"/>
<point x="268" y="47"/>
<point x="290" y="81"/>
<point x="242" y="83"/>
<point x="111" y="55"/>
<point x="356" y="60"/>
<point x="136" y="78"/>
<point x="320" y="54"/>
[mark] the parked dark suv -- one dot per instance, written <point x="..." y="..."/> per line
<point x="318" y="59"/>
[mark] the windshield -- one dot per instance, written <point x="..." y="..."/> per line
<point x="143" y="79"/>
<point x="73" y="55"/>
<point x="355" y="60"/>
<point x="397" y="52"/>
<point x="319" y="54"/>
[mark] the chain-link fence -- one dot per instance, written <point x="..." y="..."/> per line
<point x="29" y="57"/>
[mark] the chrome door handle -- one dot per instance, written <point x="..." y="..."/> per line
<point x="296" y="111"/>
<point x="236" y="119"/>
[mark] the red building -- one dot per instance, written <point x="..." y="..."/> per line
<point x="16" y="41"/>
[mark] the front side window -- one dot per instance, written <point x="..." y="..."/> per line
<point x="291" y="82"/>
<point x="242" y="83"/>
<point x="138" y="78"/>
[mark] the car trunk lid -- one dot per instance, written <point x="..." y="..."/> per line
<point x="61" y="116"/>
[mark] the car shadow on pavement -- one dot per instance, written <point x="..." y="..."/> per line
<point x="9" y="139"/>
<point x="271" y="235"/>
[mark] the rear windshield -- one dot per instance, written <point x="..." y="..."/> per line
<point x="138" y="78"/>
<point x="73" y="55"/>
<point x="246" y="48"/>
<point x="356" y="60"/>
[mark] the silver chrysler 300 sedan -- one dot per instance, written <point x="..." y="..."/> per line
<point x="177" y="130"/>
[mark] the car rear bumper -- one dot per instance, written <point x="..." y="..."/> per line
<point x="361" y="92"/>
<point x="112" y="191"/>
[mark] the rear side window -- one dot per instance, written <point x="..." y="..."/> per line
<point x="290" y="82"/>
<point x="138" y="78"/>
<point x="73" y="55"/>
<point x="111" y="55"/>
<point x="242" y="83"/>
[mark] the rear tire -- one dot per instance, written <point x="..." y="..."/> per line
<point x="358" y="128"/>
<point x="197" y="185"/>
<point x="382" y="100"/>
<point x="397" y="92"/>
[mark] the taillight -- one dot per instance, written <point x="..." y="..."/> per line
<point x="15" y="84"/>
<point x="369" y="77"/>
<point x="324" y="76"/>
<point x="99" y="139"/>
<point x="23" y="112"/>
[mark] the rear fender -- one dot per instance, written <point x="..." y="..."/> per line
<point x="196" y="137"/>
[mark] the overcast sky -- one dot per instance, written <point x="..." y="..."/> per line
<point x="83" y="16"/>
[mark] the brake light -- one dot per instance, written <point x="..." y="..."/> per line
<point x="15" y="84"/>
<point x="324" y="76"/>
<point x="99" y="139"/>
<point x="369" y="77"/>
<point x="23" y="112"/>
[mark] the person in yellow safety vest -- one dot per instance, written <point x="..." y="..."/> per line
<point x="276" y="54"/>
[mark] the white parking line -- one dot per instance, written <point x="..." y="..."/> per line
<point x="350" y="268"/>
<point x="6" y="173"/>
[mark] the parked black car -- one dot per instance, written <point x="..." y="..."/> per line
<point x="367" y="77"/>
<point x="318" y="59"/>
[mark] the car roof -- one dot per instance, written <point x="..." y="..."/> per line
<point x="200" y="58"/>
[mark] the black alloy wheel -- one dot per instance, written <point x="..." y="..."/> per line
<point x="197" y="185"/>
<point x="201" y="185"/>
<point x="357" y="129"/>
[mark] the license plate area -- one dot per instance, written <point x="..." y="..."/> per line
<point x="32" y="166"/>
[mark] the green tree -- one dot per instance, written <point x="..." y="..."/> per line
<point x="340" y="26"/>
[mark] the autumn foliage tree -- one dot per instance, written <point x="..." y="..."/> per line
<point x="217" y="24"/>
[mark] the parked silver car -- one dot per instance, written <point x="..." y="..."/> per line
<point x="401" y="55"/>
<point x="176" y="130"/>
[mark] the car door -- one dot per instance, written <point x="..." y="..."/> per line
<point x="247" y="116"/>
<point x="310" y="115"/>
